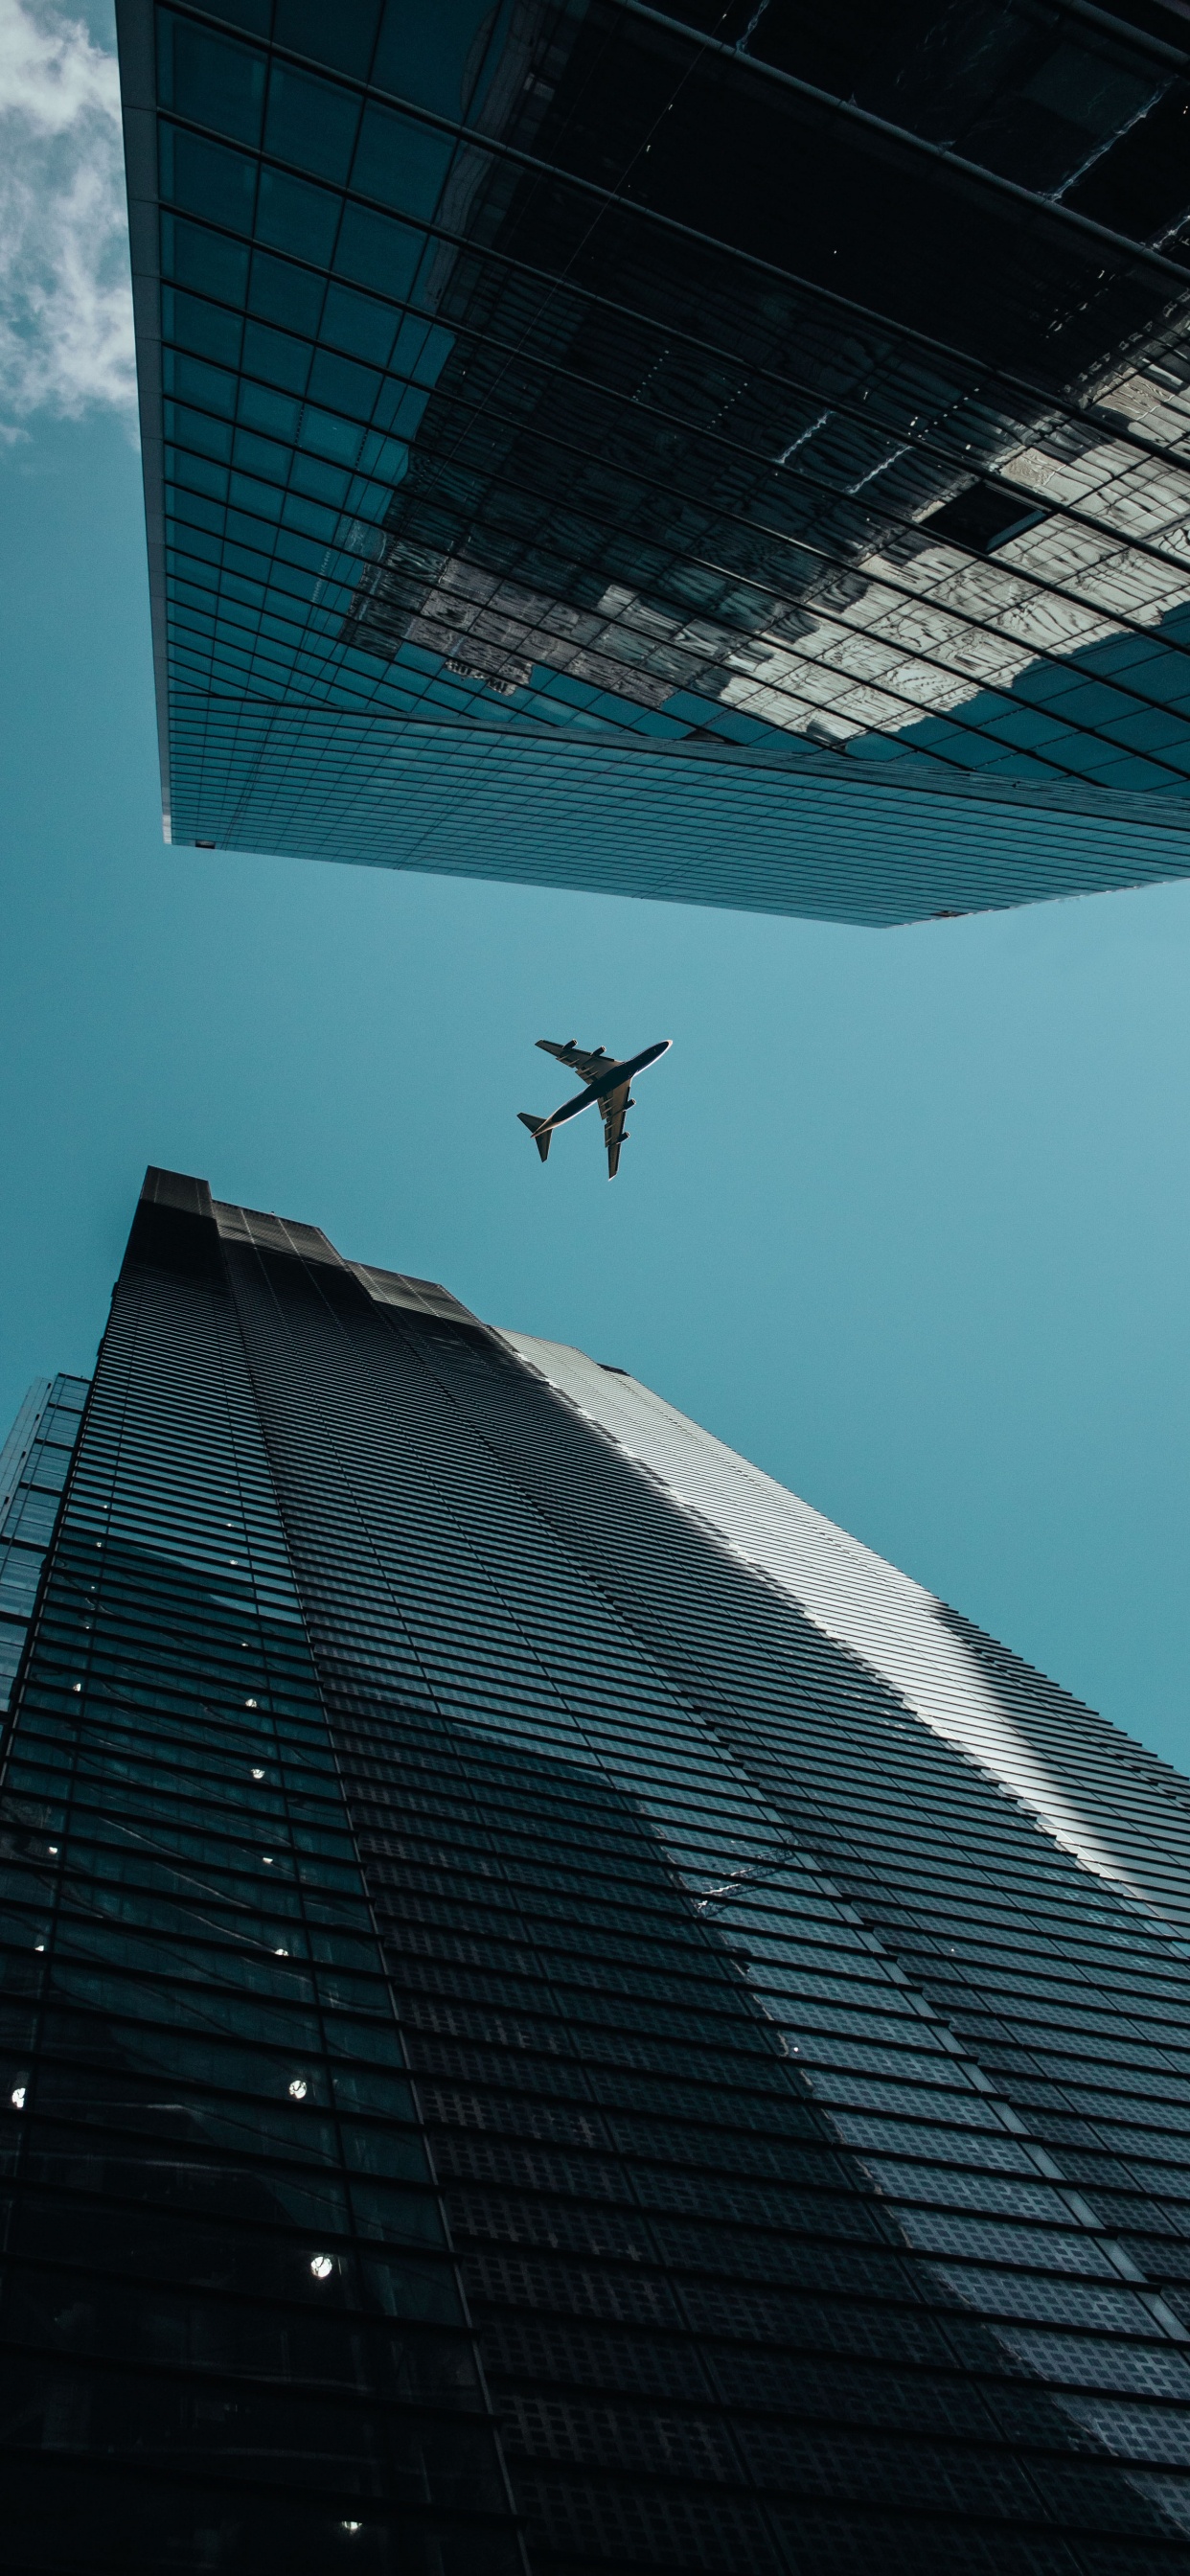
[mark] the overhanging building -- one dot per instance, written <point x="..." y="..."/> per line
<point x="558" y="2015"/>
<point x="736" y="456"/>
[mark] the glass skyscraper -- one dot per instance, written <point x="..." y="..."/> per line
<point x="734" y="455"/>
<point x="558" y="2014"/>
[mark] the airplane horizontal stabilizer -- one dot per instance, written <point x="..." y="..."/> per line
<point x="538" y="1130"/>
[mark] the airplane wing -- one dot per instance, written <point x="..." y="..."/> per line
<point x="614" y="1105"/>
<point x="588" y="1062"/>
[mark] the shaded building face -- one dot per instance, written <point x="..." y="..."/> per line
<point x="744" y="456"/>
<point x="556" y="2014"/>
<point x="34" y="1464"/>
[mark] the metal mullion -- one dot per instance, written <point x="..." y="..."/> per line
<point x="1121" y="621"/>
<point x="1135" y="254"/>
<point x="853" y="412"/>
<point x="646" y="479"/>
<point x="1124" y="31"/>
<point x="557" y="370"/>
<point x="914" y="599"/>
<point x="1127" y="622"/>
<point x="475" y="1423"/>
<point x="718" y="1720"/>
<point x="310" y="1963"/>
<point x="554" y="283"/>
<point x="907" y="334"/>
<point x="704" y="44"/>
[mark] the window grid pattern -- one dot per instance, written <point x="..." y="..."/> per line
<point x="34" y="1464"/>
<point x="232" y="2335"/>
<point x="485" y="414"/>
<point x="811" y="2127"/>
<point x="1122" y="1811"/>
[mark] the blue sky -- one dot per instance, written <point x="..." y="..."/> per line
<point x="904" y="1214"/>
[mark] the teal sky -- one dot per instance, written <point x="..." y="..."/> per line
<point x="904" y="1214"/>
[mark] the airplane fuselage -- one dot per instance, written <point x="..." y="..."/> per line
<point x="610" y="1080"/>
<point x="618" y="1073"/>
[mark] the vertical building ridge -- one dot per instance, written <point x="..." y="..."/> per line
<point x="1122" y="1811"/>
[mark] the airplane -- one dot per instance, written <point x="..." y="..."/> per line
<point x="608" y="1081"/>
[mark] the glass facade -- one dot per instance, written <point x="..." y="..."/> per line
<point x="557" y="2014"/>
<point x="732" y="455"/>
<point x="34" y="1462"/>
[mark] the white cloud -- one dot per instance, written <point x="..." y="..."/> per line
<point x="65" y="299"/>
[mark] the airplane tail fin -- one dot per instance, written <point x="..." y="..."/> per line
<point x="538" y="1130"/>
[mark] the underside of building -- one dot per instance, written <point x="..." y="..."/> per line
<point x="720" y="455"/>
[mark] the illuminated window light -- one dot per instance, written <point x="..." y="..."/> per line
<point x="257" y="1775"/>
<point x="298" y="2089"/>
<point x="18" y="2097"/>
<point x="321" y="2265"/>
